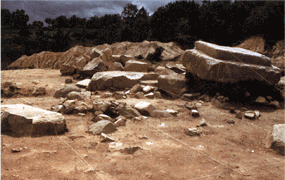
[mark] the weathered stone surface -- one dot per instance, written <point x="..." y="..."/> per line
<point x="160" y="114"/>
<point x="116" y="66"/>
<point x="232" y="54"/>
<point x="24" y="120"/>
<point x="241" y="65"/>
<point x="127" y="111"/>
<point x="190" y="97"/>
<point x="193" y="132"/>
<point x="67" y="70"/>
<point x="96" y="65"/>
<point x="178" y="68"/>
<point x="277" y="138"/>
<point x="102" y="117"/>
<point x="149" y="82"/>
<point x="145" y="108"/>
<point x="136" y="88"/>
<point x="103" y="126"/>
<point x="137" y="66"/>
<point x="62" y="92"/>
<point x="149" y="95"/>
<point x="172" y="84"/>
<point x="107" y="95"/>
<point x="115" y="79"/>
<point x="148" y="89"/>
<point x="84" y="83"/>
<point x="100" y="105"/>
<point x="80" y="63"/>
<point x="75" y="95"/>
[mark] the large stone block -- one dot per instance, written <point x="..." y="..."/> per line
<point x="212" y="69"/>
<point x="96" y="65"/>
<point x="115" y="80"/>
<point x="172" y="84"/>
<point x="24" y="120"/>
<point x="232" y="54"/>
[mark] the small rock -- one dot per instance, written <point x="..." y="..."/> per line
<point x="275" y="104"/>
<point x="202" y="123"/>
<point x="58" y="108"/>
<point x="190" y="97"/>
<point x="68" y="80"/>
<point x="106" y="138"/>
<point x="39" y="91"/>
<point x="230" y="121"/>
<point x="250" y="115"/>
<point x="148" y="89"/>
<point x="261" y="100"/>
<point x="103" y="126"/>
<point x="145" y="108"/>
<point x="120" y="95"/>
<point x="172" y="112"/>
<point x="136" y="88"/>
<point x="160" y="114"/>
<point x="74" y="95"/>
<point x="269" y="98"/>
<point x="205" y="98"/>
<point x="15" y="150"/>
<point x="157" y="94"/>
<point x="130" y="150"/>
<point x="232" y="110"/>
<point x="102" y="117"/>
<point x="239" y="114"/>
<point x="120" y="122"/>
<point x="195" y="113"/>
<point x="139" y="95"/>
<point x="149" y="95"/>
<point x="190" y="106"/>
<point x="193" y="132"/>
<point x="107" y="95"/>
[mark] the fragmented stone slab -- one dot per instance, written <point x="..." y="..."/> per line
<point x="145" y="108"/>
<point x="24" y="120"/>
<point x="96" y="65"/>
<point x="229" y="65"/>
<point x="103" y="126"/>
<point x="149" y="82"/>
<point x="84" y="83"/>
<point x="136" y="66"/>
<point x="115" y="79"/>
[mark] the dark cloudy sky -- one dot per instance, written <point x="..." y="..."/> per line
<point x="39" y="10"/>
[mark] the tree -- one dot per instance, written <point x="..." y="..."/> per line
<point x="37" y="24"/>
<point x="61" y="22"/>
<point x="48" y="21"/>
<point x="6" y="17"/>
<point x="19" y="18"/>
<point x="93" y="23"/>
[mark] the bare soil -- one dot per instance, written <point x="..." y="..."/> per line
<point x="223" y="151"/>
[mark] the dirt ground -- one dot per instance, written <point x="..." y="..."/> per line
<point x="223" y="151"/>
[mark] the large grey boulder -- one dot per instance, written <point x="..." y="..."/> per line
<point x="137" y="66"/>
<point x="115" y="79"/>
<point x="277" y="138"/>
<point x="24" y="120"/>
<point x="172" y="84"/>
<point x="62" y="92"/>
<point x="96" y="65"/>
<point x="229" y="65"/>
<point x="103" y="126"/>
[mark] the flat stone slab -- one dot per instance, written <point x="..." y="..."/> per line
<point x="232" y="53"/>
<point x="149" y="82"/>
<point x="115" y="79"/>
<point x="24" y="120"/>
<point x="212" y="69"/>
<point x="84" y="83"/>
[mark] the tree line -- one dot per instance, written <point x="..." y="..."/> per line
<point x="184" y="22"/>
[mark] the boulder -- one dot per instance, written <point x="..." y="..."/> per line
<point x="106" y="55"/>
<point x="67" y="70"/>
<point x="229" y="65"/>
<point x="103" y="126"/>
<point x="75" y="95"/>
<point x="80" y="63"/>
<point x="277" y="138"/>
<point x="172" y="84"/>
<point x="94" y="53"/>
<point x="84" y="83"/>
<point x="145" y="108"/>
<point x="116" y="66"/>
<point x="137" y="66"/>
<point x="115" y="79"/>
<point x="24" y="120"/>
<point x="96" y="65"/>
<point x="62" y="92"/>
